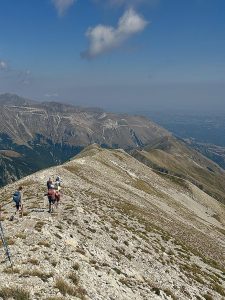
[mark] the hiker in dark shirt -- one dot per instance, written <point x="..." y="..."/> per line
<point x="17" y="198"/>
<point x="49" y="183"/>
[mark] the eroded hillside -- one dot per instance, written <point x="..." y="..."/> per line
<point x="49" y="133"/>
<point x="121" y="232"/>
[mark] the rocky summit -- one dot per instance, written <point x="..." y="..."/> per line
<point x="121" y="232"/>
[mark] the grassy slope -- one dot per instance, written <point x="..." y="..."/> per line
<point x="174" y="157"/>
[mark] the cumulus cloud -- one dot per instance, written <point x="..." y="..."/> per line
<point x="3" y="65"/>
<point x="105" y="38"/>
<point x="62" y="5"/>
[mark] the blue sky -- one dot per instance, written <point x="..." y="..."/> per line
<point x="117" y="54"/>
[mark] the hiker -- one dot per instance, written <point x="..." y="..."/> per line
<point x="51" y="197"/>
<point x="57" y="193"/>
<point x="58" y="181"/>
<point x="49" y="183"/>
<point x="17" y="198"/>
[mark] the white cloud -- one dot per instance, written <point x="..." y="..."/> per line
<point x="3" y="65"/>
<point x="105" y="38"/>
<point x="129" y="3"/>
<point x="122" y="2"/>
<point x="51" y="95"/>
<point x="62" y="5"/>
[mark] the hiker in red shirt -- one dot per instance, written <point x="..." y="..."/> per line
<point x="51" y="197"/>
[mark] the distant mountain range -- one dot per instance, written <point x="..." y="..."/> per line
<point x="35" y="136"/>
<point x="49" y="133"/>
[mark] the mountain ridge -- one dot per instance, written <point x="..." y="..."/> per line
<point x="54" y="132"/>
<point x="173" y="156"/>
<point x="121" y="231"/>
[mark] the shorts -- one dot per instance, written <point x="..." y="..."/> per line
<point x="50" y="200"/>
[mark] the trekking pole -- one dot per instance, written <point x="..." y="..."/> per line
<point x="5" y="245"/>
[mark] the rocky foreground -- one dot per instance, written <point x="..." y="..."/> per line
<point x="121" y="232"/>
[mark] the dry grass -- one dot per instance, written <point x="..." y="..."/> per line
<point x="54" y="298"/>
<point x="208" y="297"/>
<point x="44" y="243"/>
<point x="72" y="168"/>
<point x="219" y="289"/>
<point x="15" y="293"/>
<point x="74" y="278"/>
<point x="66" y="289"/>
<point x="147" y="188"/>
<point x="21" y="235"/>
<point x="76" y="266"/>
<point x="10" y="241"/>
<point x="43" y="276"/>
<point x="38" y="226"/>
<point x="33" y="261"/>
<point x="81" y="251"/>
<point x="11" y="270"/>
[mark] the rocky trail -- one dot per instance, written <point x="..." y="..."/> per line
<point x="120" y="232"/>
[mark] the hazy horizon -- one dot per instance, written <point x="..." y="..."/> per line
<point x="123" y="56"/>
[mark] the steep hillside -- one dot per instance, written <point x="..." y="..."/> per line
<point x="46" y="134"/>
<point x="213" y="152"/>
<point x="175" y="157"/>
<point x="61" y="123"/>
<point x="121" y="232"/>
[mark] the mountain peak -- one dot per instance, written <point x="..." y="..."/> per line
<point x="13" y="99"/>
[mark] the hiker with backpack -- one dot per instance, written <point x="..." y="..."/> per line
<point x="17" y="198"/>
<point x="58" y="190"/>
<point x="49" y="183"/>
<point x="57" y="193"/>
<point x="51" y="197"/>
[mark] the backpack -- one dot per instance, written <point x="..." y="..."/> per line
<point x="49" y="183"/>
<point x="51" y="193"/>
<point x="57" y="186"/>
<point x="16" y="197"/>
